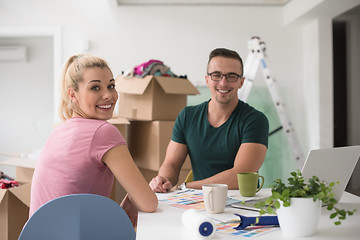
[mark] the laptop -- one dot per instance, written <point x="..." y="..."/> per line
<point x="332" y="165"/>
<point x="329" y="165"/>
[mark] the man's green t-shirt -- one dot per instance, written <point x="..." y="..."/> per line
<point x="213" y="150"/>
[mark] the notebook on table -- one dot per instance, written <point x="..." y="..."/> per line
<point x="329" y="165"/>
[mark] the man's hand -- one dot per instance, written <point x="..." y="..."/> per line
<point x="160" y="184"/>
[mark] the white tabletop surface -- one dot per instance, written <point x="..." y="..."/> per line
<point x="165" y="223"/>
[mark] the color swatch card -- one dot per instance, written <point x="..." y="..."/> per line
<point x="226" y="223"/>
<point x="249" y="232"/>
<point x="186" y="199"/>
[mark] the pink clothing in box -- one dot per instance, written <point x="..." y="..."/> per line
<point x="71" y="161"/>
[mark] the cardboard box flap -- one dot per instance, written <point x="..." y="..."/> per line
<point x="177" y="85"/>
<point x="2" y="195"/>
<point x="117" y="120"/>
<point x="132" y="85"/>
<point x="20" y="162"/>
<point x="22" y="192"/>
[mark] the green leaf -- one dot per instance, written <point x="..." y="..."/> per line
<point x="342" y="213"/>
<point x="270" y="210"/>
<point x="276" y="195"/>
<point x="286" y="204"/>
<point x="269" y="200"/>
<point x="333" y="215"/>
<point x="277" y="204"/>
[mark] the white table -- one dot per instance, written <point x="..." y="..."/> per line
<point x="165" y="223"/>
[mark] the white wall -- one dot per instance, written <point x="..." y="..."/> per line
<point x="318" y="82"/>
<point x="27" y="97"/>
<point x="311" y="88"/>
<point x="181" y="36"/>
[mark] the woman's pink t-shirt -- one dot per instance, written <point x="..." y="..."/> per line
<point x="71" y="161"/>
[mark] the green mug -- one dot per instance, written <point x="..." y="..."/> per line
<point x="248" y="183"/>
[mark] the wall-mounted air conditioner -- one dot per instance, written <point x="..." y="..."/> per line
<point x="12" y="53"/>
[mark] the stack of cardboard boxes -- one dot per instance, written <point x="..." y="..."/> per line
<point x="151" y="104"/>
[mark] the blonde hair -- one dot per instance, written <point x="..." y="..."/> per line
<point x="71" y="75"/>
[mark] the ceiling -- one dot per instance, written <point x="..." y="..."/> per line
<point x="204" y="2"/>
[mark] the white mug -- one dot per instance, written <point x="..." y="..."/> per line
<point x="215" y="196"/>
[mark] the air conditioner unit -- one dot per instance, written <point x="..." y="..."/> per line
<point x="12" y="53"/>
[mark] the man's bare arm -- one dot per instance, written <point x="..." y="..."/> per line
<point x="168" y="174"/>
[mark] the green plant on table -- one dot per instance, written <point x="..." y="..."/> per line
<point x="297" y="187"/>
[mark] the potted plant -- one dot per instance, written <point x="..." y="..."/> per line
<point x="298" y="204"/>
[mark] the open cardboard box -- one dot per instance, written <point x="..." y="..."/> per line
<point x="152" y="97"/>
<point x="15" y="202"/>
<point x="14" y="210"/>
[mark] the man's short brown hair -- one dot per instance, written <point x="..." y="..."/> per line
<point x="227" y="53"/>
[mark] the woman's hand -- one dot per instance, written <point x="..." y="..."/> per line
<point x="130" y="210"/>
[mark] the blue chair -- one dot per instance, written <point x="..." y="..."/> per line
<point x="79" y="217"/>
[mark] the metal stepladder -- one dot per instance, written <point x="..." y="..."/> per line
<point x="257" y="55"/>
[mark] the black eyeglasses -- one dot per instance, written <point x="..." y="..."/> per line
<point x="230" y="77"/>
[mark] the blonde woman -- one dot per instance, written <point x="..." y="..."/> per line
<point x="85" y="152"/>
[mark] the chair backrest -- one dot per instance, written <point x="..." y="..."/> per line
<point x="78" y="217"/>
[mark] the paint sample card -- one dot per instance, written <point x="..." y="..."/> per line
<point x="187" y="199"/>
<point x="249" y="232"/>
<point x="184" y="197"/>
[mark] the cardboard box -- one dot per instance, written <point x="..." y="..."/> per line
<point x="153" y="97"/>
<point x="14" y="210"/>
<point x="148" y="141"/>
<point x="24" y="168"/>
<point x="121" y="124"/>
<point x="15" y="202"/>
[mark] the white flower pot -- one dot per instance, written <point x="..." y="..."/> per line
<point x="301" y="218"/>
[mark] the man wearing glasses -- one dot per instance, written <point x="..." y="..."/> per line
<point x="223" y="136"/>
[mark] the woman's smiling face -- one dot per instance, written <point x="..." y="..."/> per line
<point x="96" y="96"/>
